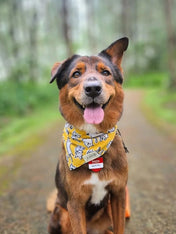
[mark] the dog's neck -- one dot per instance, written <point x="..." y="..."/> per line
<point x="89" y="128"/>
<point x="82" y="147"/>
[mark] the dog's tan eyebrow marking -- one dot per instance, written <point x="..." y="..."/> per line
<point x="101" y="67"/>
<point x="80" y="66"/>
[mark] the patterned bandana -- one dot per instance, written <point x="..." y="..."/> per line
<point x="81" y="147"/>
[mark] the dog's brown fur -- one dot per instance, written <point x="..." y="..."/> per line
<point x="74" y="212"/>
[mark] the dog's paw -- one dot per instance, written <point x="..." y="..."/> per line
<point x="54" y="228"/>
<point x="59" y="222"/>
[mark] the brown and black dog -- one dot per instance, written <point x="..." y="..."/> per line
<point x="91" y="100"/>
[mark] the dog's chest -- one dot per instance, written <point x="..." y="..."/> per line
<point x="98" y="188"/>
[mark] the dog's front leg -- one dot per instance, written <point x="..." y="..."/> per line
<point x="118" y="212"/>
<point x="77" y="217"/>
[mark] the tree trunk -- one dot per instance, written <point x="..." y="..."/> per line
<point x="124" y="17"/>
<point x="66" y="27"/>
<point x="171" y="47"/>
<point x="33" y="46"/>
<point x="13" y="26"/>
<point x="90" y="25"/>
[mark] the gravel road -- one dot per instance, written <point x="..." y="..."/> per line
<point x="152" y="179"/>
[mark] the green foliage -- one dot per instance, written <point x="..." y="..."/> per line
<point x="153" y="79"/>
<point x="162" y="104"/>
<point x="19" y="99"/>
<point x="19" y="72"/>
<point x="148" y="54"/>
<point x="25" y="108"/>
<point x="19" y="129"/>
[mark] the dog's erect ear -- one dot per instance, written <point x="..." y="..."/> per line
<point x="115" y="51"/>
<point x="54" y="70"/>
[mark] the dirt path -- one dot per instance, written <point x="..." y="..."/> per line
<point x="152" y="183"/>
<point x="152" y="172"/>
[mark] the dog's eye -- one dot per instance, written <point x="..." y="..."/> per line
<point x="105" y="73"/>
<point x="76" y="74"/>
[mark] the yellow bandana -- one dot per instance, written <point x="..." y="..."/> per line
<point x="81" y="147"/>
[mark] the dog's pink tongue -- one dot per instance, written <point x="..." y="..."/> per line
<point x="93" y="115"/>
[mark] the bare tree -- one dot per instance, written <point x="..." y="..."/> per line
<point x="124" y="17"/>
<point x="66" y="26"/>
<point x="90" y="24"/>
<point x="33" y="46"/>
<point x="168" y="6"/>
<point x="13" y="9"/>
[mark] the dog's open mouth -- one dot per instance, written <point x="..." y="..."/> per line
<point x="93" y="112"/>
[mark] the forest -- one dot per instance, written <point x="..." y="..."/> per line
<point x="35" y="34"/>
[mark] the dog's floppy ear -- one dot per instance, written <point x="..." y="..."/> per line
<point x="115" y="51"/>
<point x="54" y="70"/>
<point x="60" y="71"/>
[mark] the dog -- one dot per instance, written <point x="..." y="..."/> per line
<point x="92" y="172"/>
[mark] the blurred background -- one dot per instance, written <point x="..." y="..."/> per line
<point x="35" y="34"/>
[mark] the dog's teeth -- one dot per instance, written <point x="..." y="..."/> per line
<point x="84" y="106"/>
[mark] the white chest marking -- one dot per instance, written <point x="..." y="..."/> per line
<point x="99" y="190"/>
<point x="89" y="128"/>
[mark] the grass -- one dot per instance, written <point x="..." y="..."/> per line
<point x="20" y="128"/>
<point x="162" y="104"/>
<point x="159" y="106"/>
<point x="25" y="108"/>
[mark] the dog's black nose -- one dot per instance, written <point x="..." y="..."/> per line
<point x="93" y="88"/>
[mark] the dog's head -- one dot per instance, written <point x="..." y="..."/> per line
<point x="91" y="87"/>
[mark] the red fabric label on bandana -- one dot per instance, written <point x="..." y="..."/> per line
<point x="96" y="164"/>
